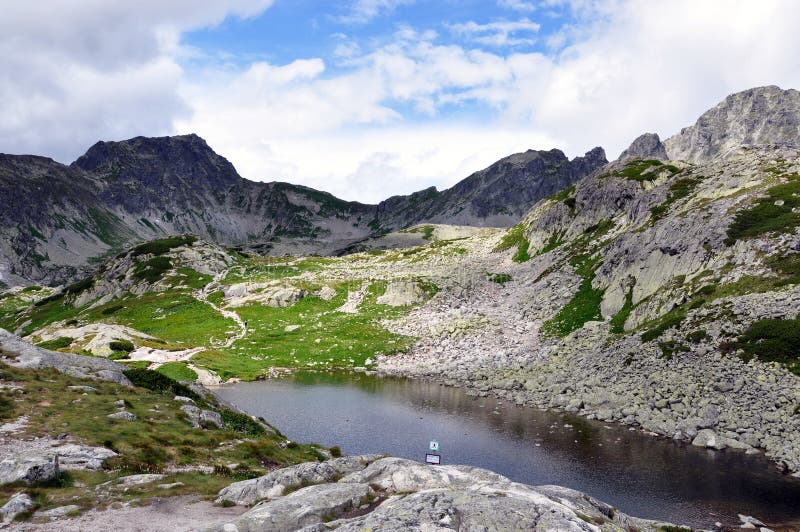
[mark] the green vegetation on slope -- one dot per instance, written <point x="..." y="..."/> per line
<point x="619" y="319"/>
<point x="161" y="437"/>
<point x="177" y="371"/>
<point x="773" y="340"/>
<point x="515" y="237"/>
<point x="679" y="189"/>
<point x="645" y="170"/>
<point x="771" y="214"/>
<point x="584" y="305"/>
<point x="162" y="246"/>
<point x="310" y="333"/>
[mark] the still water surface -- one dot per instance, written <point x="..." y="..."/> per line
<point x="639" y="474"/>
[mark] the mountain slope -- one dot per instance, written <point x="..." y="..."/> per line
<point x="62" y="218"/>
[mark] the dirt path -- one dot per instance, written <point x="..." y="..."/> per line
<point x="202" y="295"/>
<point x="172" y="514"/>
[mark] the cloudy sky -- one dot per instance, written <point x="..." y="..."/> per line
<point x="368" y="98"/>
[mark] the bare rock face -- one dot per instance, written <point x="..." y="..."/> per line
<point x="19" y="503"/>
<point x="646" y="146"/>
<point x="395" y="494"/>
<point x="757" y="117"/>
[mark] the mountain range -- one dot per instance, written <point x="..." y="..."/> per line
<point x="59" y="219"/>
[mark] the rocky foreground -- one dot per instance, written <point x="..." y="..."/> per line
<point x="394" y="494"/>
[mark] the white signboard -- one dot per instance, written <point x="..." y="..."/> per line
<point x="433" y="459"/>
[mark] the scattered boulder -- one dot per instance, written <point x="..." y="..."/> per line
<point x="127" y="416"/>
<point x="73" y="456"/>
<point x="402" y="294"/>
<point x="61" y="511"/>
<point x="327" y="293"/>
<point x="19" y="503"/>
<point x="275" y="483"/>
<point x="182" y="399"/>
<point x="202" y="418"/>
<point x="708" y="438"/>
<point x="308" y="506"/>
<point x="30" y="469"/>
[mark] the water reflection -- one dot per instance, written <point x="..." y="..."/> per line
<point x="639" y="474"/>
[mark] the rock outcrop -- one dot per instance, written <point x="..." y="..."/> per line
<point x="22" y="354"/>
<point x="393" y="494"/>
<point x="647" y="146"/>
<point x="760" y="116"/>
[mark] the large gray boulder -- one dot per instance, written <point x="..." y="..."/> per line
<point x="275" y="483"/>
<point x="394" y="494"/>
<point x="756" y="117"/>
<point x="308" y="506"/>
<point x="18" y="504"/>
<point x="30" y="469"/>
<point x="647" y="146"/>
<point x="22" y="354"/>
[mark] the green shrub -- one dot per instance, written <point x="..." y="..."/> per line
<point x="111" y="310"/>
<point x="500" y="278"/>
<point x="772" y="340"/>
<point x="619" y="319"/>
<point x="562" y="194"/>
<point x="153" y="380"/>
<point x="80" y="286"/>
<point x="336" y="452"/>
<point x="152" y="270"/>
<point x="6" y="408"/>
<point x="241" y="423"/>
<point x="162" y="246"/>
<point x="57" y="343"/>
<point x="667" y="322"/>
<point x="680" y="188"/>
<point x="671" y="347"/>
<point x="121" y="345"/>
<point x="697" y="336"/>
<point x="767" y="217"/>
<point x="787" y="266"/>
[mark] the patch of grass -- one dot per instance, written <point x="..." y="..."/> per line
<point x="771" y="214"/>
<point x="515" y="237"/>
<point x="584" y="305"/>
<point x="500" y="278"/>
<point x="619" y="319"/>
<point x="425" y="230"/>
<point x="786" y="265"/>
<point x="162" y="246"/>
<point x="192" y="278"/>
<point x="177" y="371"/>
<point x="173" y="317"/>
<point x="7" y="409"/>
<point x="325" y="338"/>
<point x="79" y="286"/>
<point x="57" y="343"/>
<point x="562" y="194"/>
<point x="555" y="240"/>
<point x="152" y="270"/>
<point x="645" y="170"/>
<point x="672" y="528"/>
<point x="772" y="340"/>
<point x="678" y="189"/>
<point x="665" y="323"/>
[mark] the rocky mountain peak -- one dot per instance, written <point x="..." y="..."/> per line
<point x="159" y="160"/>
<point x="760" y="116"/>
<point x="646" y="146"/>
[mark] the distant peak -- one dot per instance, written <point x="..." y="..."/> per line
<point x="760" y="116"/>
<point x="646" y="146"/>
